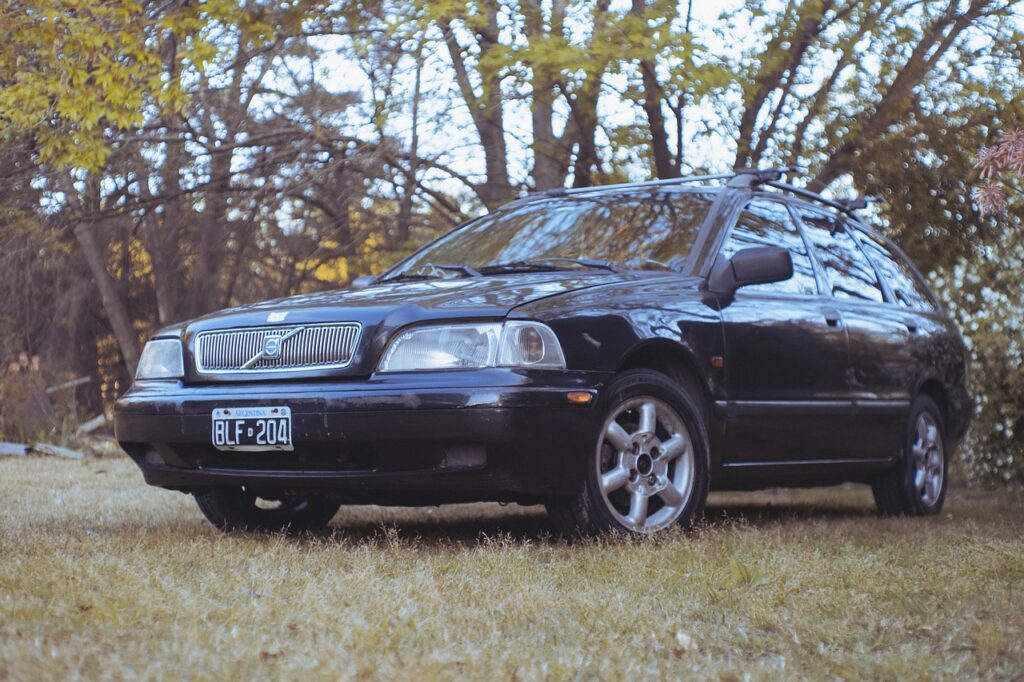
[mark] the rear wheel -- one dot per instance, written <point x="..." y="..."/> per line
<point x="649" y="471"/>
<point x="917" y="487"/>
<point x="231" y="509"/>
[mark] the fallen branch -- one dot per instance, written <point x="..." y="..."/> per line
<point x="68" y="384"/>
<point x="13" y="449"/>
<point x="101" y="446"/>
<point x="55" y="451"/>
<point x="93" y="424"/>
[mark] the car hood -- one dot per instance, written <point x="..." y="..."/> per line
<point x="460" y="297"/>
<point x="382" y="308"/>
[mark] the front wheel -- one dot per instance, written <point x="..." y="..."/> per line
<point x="233" y="509"/>
<point x="649" y="470"/>
<point x="917" y="486"/>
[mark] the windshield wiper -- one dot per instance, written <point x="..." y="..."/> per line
<point x="432" y="271"/>
<point x="546" y="263"/>
<point x="467" y="270"/>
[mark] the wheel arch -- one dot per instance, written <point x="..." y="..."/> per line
<point x="676" y="362"/>
<point x="934" y="389"/>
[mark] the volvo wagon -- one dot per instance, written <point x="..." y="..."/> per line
<point x="613" y="353"/>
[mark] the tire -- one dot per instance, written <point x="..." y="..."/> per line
<point x="917" y="486"/>
<point x="237" y="509"/>
<point x="640" y="479"/>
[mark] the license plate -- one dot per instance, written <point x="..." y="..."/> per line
<point x="252" y="429"/>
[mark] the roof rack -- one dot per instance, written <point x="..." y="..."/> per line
<point x="562" y="191"/>
<point x="742" y="179"/>
<point x="851" y="205"/>
<point x="749" y="177"/>
<point x="844" y="205"/>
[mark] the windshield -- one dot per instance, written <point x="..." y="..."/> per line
<point x="638" y="231"/>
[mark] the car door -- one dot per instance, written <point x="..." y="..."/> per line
<point x="785" y="354"/>
<point x="880" y="374"/>
<point x="928" y="334"/>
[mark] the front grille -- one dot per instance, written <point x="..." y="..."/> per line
<point x="314" y="346"/>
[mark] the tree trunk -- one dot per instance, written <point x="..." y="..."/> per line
<point x="486" y="108"/>
<point x="583" y="108"/>
<point x="161" y="231"/>
<point x="654" y="94"/>
<point x="113" y="304"/>
<point x="211" y="251"/>
<point x="586" y="151"/>
<point x="403" y="225"/>
<point x="492" y="119"/>
<point x="550" y="156"/>
<point x="549" y="167"/>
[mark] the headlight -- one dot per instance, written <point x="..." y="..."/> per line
<point x="464" y="346"/>
<point x="529" y="344"/>
<point x="161" y="359"/>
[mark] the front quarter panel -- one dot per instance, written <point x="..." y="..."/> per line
<point x="600" y="328"/>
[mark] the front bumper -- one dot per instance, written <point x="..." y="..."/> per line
<point x="414" y="438"/>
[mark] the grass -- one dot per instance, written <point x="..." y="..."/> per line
<point x="102" y="577"/>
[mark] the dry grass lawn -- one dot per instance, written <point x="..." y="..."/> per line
<point x="102" y="577"/>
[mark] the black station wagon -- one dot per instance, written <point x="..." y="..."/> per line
<point x="611" y="352"/>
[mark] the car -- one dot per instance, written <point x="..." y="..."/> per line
<point x="613" y="353"/>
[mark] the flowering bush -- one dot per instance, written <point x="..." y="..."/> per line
<point x="986" y="297"/>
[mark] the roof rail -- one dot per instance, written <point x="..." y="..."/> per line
<point x="742" y="179"/>
<point x="562" y="191"/>
<point x="749" y="177"/>
<point x="845" y="205"/>
<point x="857" y="204"/>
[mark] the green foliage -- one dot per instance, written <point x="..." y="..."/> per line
<point x="73" y="69"/>
<point x="923" y="176"/>
<point x="985" y="294"/>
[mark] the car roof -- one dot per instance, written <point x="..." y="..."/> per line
<point x="746" y="179"/>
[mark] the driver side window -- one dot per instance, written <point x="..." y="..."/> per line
<point x="768" y="223"/>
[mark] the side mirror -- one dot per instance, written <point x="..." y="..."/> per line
<point x="756" y="265"/>
<point x="363" y="282"/>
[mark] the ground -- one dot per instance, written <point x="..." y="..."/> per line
<point x="103" y="577"/>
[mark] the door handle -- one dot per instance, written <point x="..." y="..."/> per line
<point x="832" y="318"/>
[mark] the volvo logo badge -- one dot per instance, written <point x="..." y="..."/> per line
<point x="272" y="347"/>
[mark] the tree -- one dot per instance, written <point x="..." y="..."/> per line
<point x="482" y="62"/>
<point x="71" y="69"/>
<point x="231" y="177"/>
<point x="879" y="59"/>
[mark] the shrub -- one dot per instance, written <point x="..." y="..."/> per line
<point x="986" y="297"/>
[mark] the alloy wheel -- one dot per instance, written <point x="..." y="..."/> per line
<point x="929" y="459"/>
<point x="645" y="464"/>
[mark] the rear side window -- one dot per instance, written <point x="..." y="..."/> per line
<point x="768" y="223"/>
<point x="909" y="290"/>
<point x="847" y="269"/>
